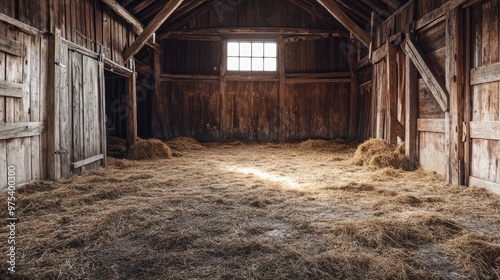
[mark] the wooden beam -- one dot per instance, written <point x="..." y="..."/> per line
<point x="132" y="109"/>
<point x="11" y="89"/>
<point x="429" y="74"/>
<point x="411" y="91"/>
<point x="347" y="22"/>
<point x="431" y="125"/>
<point x="11" y="46"/>
<point x="438" y="13"/>
<point x="491" y="186"/>
<point x="20" y="130"/>
<point x="392" y="93"/>
<point x="158" y="20"/>
<point x="485" y="130"/>
<point x="128" y="17"/>
<point x="485" y="74"/>
<point x="260" y="31"/>
<point x="311" y="9"/>
<point x="20" y="25"/>
<point x="454" y="83"/>
<point x="395" y="4"/>
<point x="82" y="163"/>
<point x="53" y="93"/>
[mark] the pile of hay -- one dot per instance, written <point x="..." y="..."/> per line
<point x="336" y="146"/>
<point x="116" y="147"/>
<point x="182" y="144"/>
<point x="378" y="153"/>
<point x="149" y="149"/>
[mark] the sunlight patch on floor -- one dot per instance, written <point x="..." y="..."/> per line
<point x="284" y="180"/>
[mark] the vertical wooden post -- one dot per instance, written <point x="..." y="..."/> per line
<point x="282" y="91"/>
<point x="353" y="115"/>
<point x="467" y="95"/>
<point x="392" y="93"/>
<point x="225" y="118"/>
<point x="411" y="93"/>
<point x="454" y="84"/>
<point x="132" y="112"/>
<point x="102" y="108"/>
<point x="53" y="92"/>
<point x="159" y="114"/>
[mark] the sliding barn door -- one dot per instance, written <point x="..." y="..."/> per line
<point x="81" y="115"/>
<point x="485" y="96"/>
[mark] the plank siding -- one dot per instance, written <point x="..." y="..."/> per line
<point x="485" y="97"/>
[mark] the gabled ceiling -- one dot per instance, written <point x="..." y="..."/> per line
<point x="162" y="16"/>
<point x="358" y="10"/>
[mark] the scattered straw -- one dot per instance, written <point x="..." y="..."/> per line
<point x="149" y="149"/>
<point x="254" y="211"/>
<point x="475" y="253"/>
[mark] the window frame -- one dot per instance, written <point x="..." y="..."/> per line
<point x="251" y="72"/>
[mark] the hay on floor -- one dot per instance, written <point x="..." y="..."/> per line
<point x="149" y="149"/>
<point x="379" y="154"/>
<point x="116" y="147"/>
<point x="185" y="144"/>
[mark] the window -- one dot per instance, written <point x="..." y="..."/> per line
<point x="252" y="56"/>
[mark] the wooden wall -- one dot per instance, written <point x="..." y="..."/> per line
<point x="51" y="122"/>
<point x="23" y="79"/>
<point x="485" y="95"/>
<point x="198" y="100"/>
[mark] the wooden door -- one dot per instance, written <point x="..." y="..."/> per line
<point x="81" y="118"/>
<point x="484" y="96"/>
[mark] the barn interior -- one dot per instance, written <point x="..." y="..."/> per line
<point x="250" y="139"/>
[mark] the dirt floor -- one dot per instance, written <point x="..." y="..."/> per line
<point x="255" y="211"/>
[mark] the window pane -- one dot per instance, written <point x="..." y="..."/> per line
<point x="257" y="49"/>
<point x="245" y="64"/>
<point x="233" y="49"/>
<point x="246" y="49"/>
<point x="269" y="64"/>
<point x="233" y="64"/>
<point x="270" y="49"/>
<point x="257" y="64"/>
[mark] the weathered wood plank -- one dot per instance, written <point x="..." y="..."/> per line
<point x="411" y="110"/>
<point x="11" y="46"/>
<point x="11" y="89"/>
<point x="53" y="95"/>
<point x="20" y="130"/>
<point x="20" y="25"/>
<point x="431" y="125"/>
<point x="132" y="110"/>
<point x="66" y="115"/>
<point x="3" y="165"/>
<point x="88" y="161"/>
<point x="491" y="186"/>
<point x="431" y="78"/>
<point x="454" y="84"/>
<point x="485" y="130"/>
<point x="485" y="74"/>
<point x="126" y="15"/>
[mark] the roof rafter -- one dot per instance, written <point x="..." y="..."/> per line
<point x="156" y="23"/>
<point x="121" y="11"/>
<point x="346" y="21"/>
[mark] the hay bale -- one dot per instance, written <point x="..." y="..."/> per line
<point x="182" y="144"/>
<point x="116" y="147"/>
<point x="379" y="154"/>
<point x="149" y="149"/>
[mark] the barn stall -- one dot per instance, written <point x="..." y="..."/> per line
<point x="224" y="139"/>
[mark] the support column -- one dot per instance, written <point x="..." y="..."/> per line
<point x="411" y="111"/>
<point x="454" y="85"/>
<point x="53" y="93"/>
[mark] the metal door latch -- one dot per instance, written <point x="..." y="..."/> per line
<point x="61" y="151"/>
